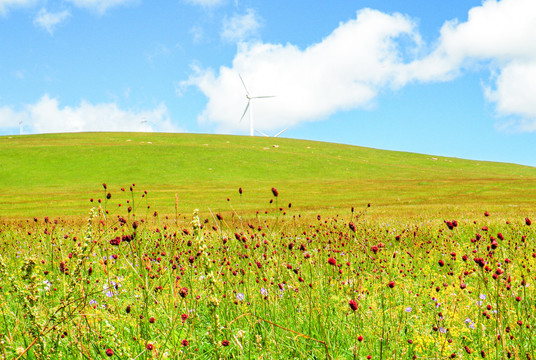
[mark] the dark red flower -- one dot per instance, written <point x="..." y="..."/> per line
<point x="360" y="338"/>
<point x="109" y="352"/>
<point x="332" y="261"/>
<point x="275" y="192"/>
<point x="352" y="226"/>
<point x="240" y="191"/>
<point x="353" y="305"/>
<point x="183" y="292"/>
<point x="150" y="346"/>
<point x="527" y="221"/>
<point x="441" y="263"/>
<point x="391" y="284"/>
<point x="184" y="342"/>
<point x="225" y="343"/>
<point x="116" y="241"/>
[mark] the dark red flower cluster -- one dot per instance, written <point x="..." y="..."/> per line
<point x="275" y="192"/>
<point x="183" y="292"/>
<point x="332" y="261"/>
<point x="353" y="305"/>
<point x="116" y="241"/>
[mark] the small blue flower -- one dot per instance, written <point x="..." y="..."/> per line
<point x="264" y="292"/>
<point x="240" y="296"/>
<point x="408" y="309"/>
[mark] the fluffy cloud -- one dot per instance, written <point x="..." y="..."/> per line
<point x="100" y="6"/>
<point x="370" y="54"/>
<point x="49" y="21"/>
<point x="240" y="27"/>
<point x="498" y="36"/>
<point x="346" y="70"/>
<point x="5" y="4"/>
<point x="206" y="3"/>
<point x="46" y="116"/>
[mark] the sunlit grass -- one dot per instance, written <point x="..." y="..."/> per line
<point x="132" y="284"/>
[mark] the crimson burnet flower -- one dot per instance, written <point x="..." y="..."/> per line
<point x="353" y="305"/>
<point x="183" y="292"/>
<point x="150" y="346"/>
<point x="152" y="320"/>
<point x="225" y="343"/>
<point x="500" y="236"/>
<point x="374" y="249"/>
<point x="352" y="226"/>
<point x="275" y="192"/>
<point x="109" y="352"/>
<point x="332" y="261"/>
<point x="486" y="213"/>
<point x="441" y="263"/>
<point x="391" y="284"/>
<point x="527" y="221"/>
<point x="240" y="191"/>
<point x="184" y="342"/>
<point x="184" y="317"/>
<point x="360" y="338"/>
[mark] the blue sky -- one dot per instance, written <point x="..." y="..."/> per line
<point x="449" y="78"/>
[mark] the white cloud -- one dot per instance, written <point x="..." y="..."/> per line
<point x="240" y="27"/>
<point x="46" y="116"/>
<point x="100" y="6"/>
<point x="5" y="4"/>
<point x="346" y="70"/>
<point x="362" y="57"/>
<point x="206" y="3"/>
<point x="49" y="21"/>
<point x="499" y="35"/>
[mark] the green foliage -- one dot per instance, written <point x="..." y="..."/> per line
<point x="128" y="286"/>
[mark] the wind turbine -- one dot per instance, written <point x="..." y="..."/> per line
<point x="276" y="135"/>
<point x="20" y="127"/>
<point x="250" y="107"/>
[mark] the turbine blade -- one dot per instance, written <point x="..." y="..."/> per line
<point x="279" y="133"/>
<point x="245" y="111"/>
<point x="262" y="97"/>
<point x="260" y="132"/>
<point x="244" y="84"/>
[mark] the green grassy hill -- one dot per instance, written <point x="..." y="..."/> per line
<point x="57" y="174"/>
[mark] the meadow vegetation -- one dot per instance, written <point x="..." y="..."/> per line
<point x="274" y="286"/>
<point x="305" y="250"/>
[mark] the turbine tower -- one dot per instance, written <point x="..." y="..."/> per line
<point x="250" y="106"/>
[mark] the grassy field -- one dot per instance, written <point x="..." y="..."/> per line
<point x="331" y="251"/>
<point x="57" y="175"/>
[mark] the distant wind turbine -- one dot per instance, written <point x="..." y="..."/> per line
<point x="250" y="106"/>
<point x="276" y="135"/>
<point x="20" y="127"/>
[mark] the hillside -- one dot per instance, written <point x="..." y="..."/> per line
<point x="57" y="174"/>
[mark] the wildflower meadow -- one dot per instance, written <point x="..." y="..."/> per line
<point x="132" y="284"/>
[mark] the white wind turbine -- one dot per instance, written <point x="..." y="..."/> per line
<point x="250" y="107"/>
<point x="20" y="127"/>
